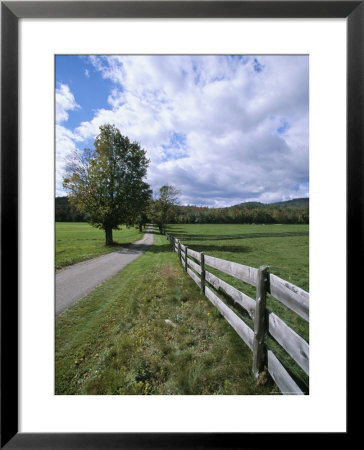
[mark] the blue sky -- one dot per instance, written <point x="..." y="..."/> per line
<point x="223" y="129"/>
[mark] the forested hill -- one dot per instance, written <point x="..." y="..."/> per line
<point x="291" y="211"/>
<point x="297" y="202"/>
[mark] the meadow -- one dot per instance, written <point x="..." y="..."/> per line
<point x="116" y="339"/>
<point x="284" y="248"/>
<point x="79" y="241"/>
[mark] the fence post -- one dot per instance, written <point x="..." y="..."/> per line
<point x="186" y="248"/>
<point x="202" y="273"/>
<point x="179" y="250"/>
<point x="173" y="244"/>
<point x="260" y="323"/>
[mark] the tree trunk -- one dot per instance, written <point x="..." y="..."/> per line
<point x="140" y="227"/>
<point x="108" y="236"/>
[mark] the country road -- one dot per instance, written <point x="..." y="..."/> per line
<point x="77" y="280"/>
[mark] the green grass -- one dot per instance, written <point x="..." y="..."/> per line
<point x="116" y="341"/>
<point x="284" y="248"/>
<point x="76" y="241"/>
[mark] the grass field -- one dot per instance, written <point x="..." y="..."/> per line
<point x="116" y="341"/>
<point x="76" y="241"/>
<point x="284" y="248"/>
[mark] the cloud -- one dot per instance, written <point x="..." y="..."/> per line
<point x="65" y="139"/>
<point x="65" y="101"/>
<point x="224" y="129"/>
<point x="65" y="145"/>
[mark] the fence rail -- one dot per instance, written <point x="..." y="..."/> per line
<point x="265" y="321"/>
<point x="290" y="295"/>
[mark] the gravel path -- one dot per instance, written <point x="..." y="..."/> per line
<point x="79" y="279"/>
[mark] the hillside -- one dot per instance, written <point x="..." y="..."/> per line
<point x="296" y="202"/>
<point x="287" y="212"/>
<point x="299" y="202"/>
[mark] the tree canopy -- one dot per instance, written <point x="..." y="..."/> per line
<point x="163" y="207"/>
<point x="106" y="183"/>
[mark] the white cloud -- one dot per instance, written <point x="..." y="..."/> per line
<point x="65" y="101"/>
<point x="65" y="139"/>
<point x="216" y="127"/>
<point x="65" y="145"/>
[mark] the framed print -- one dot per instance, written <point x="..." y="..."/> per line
<point x="42" y="43"/>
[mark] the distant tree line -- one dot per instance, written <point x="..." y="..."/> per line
<point x="259" y="214"/>
<point x="65" y="212"/>
<point x="163" y="210"/>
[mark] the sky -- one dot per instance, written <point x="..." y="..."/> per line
<point x="223" y="129"/>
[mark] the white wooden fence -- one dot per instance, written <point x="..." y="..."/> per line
<point x="265" y="321"/>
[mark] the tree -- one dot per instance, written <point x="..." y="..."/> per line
<point x="163" y="207"/>
<point x="64" y="212"/>
<point x="106" y="184"/>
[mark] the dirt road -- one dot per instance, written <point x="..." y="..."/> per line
<point x="79" y="279"/>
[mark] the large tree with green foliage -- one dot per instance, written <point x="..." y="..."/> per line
<point x="106" y="184"/>
<point x="163" y="207"/>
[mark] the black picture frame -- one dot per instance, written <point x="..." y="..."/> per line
<point x="11" y="12"/>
